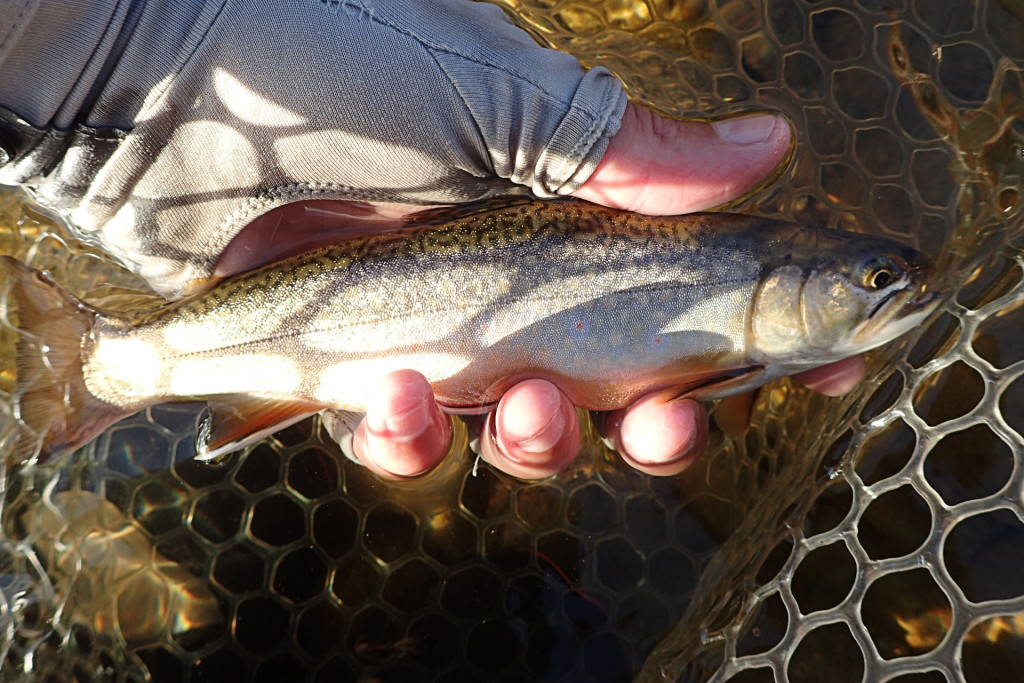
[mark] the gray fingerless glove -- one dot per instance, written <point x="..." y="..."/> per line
<point x="163" y="127"/>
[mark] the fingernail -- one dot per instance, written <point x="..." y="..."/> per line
<point x="679" y="430"/>
<point x="545" y="438"/>
<point x="410" y="424"/>
<point x="694" y="428"/>
<point x="746" y="130"/>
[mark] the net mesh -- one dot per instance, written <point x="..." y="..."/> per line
<point x="873" y="537"/>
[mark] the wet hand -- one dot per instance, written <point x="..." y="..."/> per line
<point x="250" y="125"/>
<point x="534" y="432"/>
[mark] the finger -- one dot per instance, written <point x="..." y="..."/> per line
<point x="404" y="432"/>
<point x="659" y="437"/>
<point x="835" y="379"/>
<point x="661" y="166"/>
<point x="534" y="432"/>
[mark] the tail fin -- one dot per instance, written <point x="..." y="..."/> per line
<point x="54" y="404"/>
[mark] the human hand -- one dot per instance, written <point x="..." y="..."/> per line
<point x="534" y="432"/>
<point x="205" y="121"/>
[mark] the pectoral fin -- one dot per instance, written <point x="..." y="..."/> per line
<point x="238" y="420"/>
<point x="725" y="383"/>
<point x="733" y="414"/>
<point x="737" y="391"/>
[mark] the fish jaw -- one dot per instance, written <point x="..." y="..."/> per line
<point x="906" y="312"/>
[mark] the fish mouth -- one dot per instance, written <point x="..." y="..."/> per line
<point x="923" y="300"/>
<point x="896" y="313"/>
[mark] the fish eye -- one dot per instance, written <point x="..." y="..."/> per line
<point x="882" y="277"/>
<point x="880" y="272"/>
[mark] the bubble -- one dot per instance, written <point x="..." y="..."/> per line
<point x="766" y="629"/>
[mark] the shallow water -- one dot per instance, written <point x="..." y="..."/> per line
<point x="845" y="539"/>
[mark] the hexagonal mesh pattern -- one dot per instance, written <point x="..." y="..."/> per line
<point x="863" y="538"/>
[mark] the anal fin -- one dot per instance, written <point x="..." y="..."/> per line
<point x="238" y="420"/>
<point x="341" y="426"/>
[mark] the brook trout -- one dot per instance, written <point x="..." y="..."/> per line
<point x="607" y="304"/>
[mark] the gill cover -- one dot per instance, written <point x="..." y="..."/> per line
<point x="776" y="323"/>
<point x="833" y="305"/>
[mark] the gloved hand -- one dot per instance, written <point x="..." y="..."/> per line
<point x="164" y="128"/>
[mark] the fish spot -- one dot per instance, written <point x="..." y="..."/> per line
<point x="580" y="327"/>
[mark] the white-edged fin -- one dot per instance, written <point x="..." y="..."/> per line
<point x="733" y="414"/>
<point x="725" y="383"/>
<point x="481" y="409"/>
<point x="341" y="426"/>
<point x="238" y="420"/>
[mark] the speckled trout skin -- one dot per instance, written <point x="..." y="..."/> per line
<point x="608" y="305"/>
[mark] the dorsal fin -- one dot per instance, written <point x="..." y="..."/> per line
<point x="446" y="214"/>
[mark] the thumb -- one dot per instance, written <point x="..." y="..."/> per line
<point x="661" y="166"/>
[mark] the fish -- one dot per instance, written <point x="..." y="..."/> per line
<point x="608" y="305"/>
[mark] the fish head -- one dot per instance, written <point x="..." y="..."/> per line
<point x="844" y="294"/>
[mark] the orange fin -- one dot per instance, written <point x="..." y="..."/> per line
<point x="733" y="414"/>
<point x="200" y="285"/>
<point x="725" y="383"/>
<point x="238" y="420"/>
<point x="53" y="402"/>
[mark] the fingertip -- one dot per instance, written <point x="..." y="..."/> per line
<point x="404" y="433"/>
<point x="750" y="129"/>
<point x="399" y="405"/>
<point x="753" y="147"/>
<point x="658" y="437"/>
<point x="534" y="432"/>
<point x="835" y="379"/>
